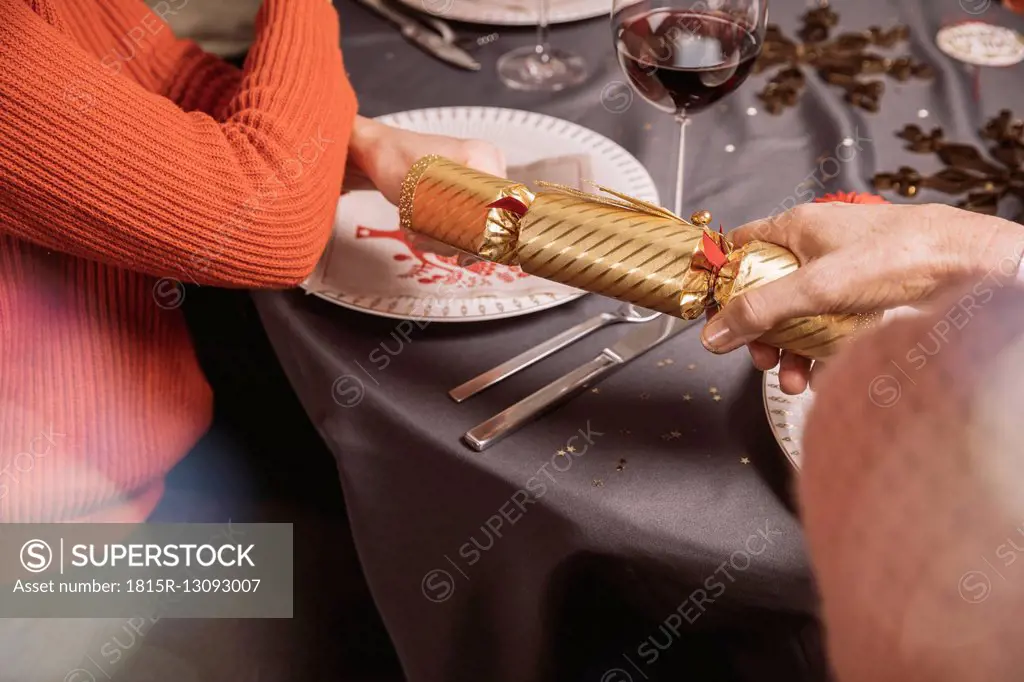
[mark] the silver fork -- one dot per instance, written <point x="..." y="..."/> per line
<point x="627" y="312"/>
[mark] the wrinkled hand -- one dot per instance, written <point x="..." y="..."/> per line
<point x="858" y="258"/>
<point x="381" y="155"/>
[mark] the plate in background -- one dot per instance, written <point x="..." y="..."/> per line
<point x="510" y="12"/>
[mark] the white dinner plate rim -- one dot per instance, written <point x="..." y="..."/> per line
<point x="793" y="447"/>
<point x="519" y="312"/>
<point x="470" y="12"/>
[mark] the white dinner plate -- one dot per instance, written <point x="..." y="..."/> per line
<point x="370" y="266"/>
<point x="511" y="12"/>
<point x="786" y="415"/>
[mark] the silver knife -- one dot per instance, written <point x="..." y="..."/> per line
<point x="633" y="345"/>
<point x="438" y="44"/>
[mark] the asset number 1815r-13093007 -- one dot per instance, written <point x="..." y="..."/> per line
<point x="193" y="585"/>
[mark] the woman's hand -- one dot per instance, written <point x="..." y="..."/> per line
<point x="858" y="258"/>
<point x="379" y="156"/>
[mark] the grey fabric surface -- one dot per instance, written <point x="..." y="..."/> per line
<point x="586" y="581"/>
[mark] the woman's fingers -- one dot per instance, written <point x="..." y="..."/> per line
<point x="383" y="154"/>
<point x="484" y="157"/>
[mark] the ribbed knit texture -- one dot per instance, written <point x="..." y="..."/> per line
<point x="127" y="156"/>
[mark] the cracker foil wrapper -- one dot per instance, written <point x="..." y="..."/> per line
<point x="757" y="263"/>
<point x="609" y="244"/>
<point x="600" y="246"/>
<point x="452" y="204"/>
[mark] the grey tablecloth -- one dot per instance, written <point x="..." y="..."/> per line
<point x="659" y="551"/>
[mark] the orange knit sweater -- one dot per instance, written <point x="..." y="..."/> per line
<point x="127" y="156"/>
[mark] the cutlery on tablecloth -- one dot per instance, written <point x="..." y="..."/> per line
<point x="431" y="35"/>
<point x="631" y="346"/>
<point x="625" y="313"/>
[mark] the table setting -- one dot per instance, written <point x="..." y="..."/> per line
<point x="540" y="461"/>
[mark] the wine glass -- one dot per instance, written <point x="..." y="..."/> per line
<point x="541" y="67"/>
<point x="682" y="56"/>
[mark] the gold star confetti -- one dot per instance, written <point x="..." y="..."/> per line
<point x="621" y="466"/>
<point x="666" y="362"/>
<point x="716" y="397"/>
<point x="598" y="483"/>
<point x="645" y="396"/>
<point x="561" y="453"/>
<point x="595" y="390"/>
<point x="687" y="397"/>
<point x="570" y="449"/>
<point x="671" y="435"/>
<point x="647" y="126"/>
<point x="712" y="390"/>
<point x="744" y="460"/>
<point x="691" y="366"/>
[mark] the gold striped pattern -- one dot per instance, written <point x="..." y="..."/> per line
<point x="618" y="252"/>
<point x="449" y="202"/>
<point x="757" y="263"/>
<point x="615" y="246"/>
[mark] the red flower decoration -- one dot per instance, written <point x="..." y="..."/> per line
<point x="851" y="198"/>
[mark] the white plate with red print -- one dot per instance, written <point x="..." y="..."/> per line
<point x="370" y="264"/>
<point x="510" y="12"/>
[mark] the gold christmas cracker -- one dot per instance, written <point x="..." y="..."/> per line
<point x="609" y="244"/>
<point x="622" y="253"/>
<point x="757" y="263"/>
<point x="449" y="202"/>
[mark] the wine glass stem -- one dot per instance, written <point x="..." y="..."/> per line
<point x="683" y="120"/>
<point x="542" y="31"/>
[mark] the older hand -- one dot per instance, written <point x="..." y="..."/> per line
<point x="381" y="155"/>
<point x="909" y="485"/>
<point x="858" y="258"/>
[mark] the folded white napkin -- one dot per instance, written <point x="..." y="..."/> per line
<point x="573" y="170"/>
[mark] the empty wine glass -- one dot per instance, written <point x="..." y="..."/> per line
<point x="541" y="67"/>
<point x="682" y="56"/>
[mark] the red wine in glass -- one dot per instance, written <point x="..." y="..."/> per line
<point x="682" y="62"/>
<point x="682" y="56"/>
